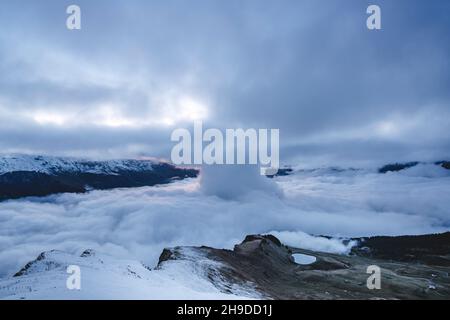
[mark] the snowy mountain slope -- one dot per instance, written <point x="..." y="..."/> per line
<point x="23" y="175"/>
<point x="103" y="277"/>
<point x="54" y="165"/>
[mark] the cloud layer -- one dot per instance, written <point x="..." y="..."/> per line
<point x="139" y="223"/>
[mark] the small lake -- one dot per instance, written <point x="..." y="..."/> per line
<point x="303" y="259"/>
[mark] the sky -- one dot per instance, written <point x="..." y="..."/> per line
<point x="137" y="70"/>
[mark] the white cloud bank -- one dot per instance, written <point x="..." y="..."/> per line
<point x="306" y="241"/>
<point x="138" y="223"/>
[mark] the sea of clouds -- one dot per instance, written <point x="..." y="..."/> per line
<point x="221" y="207"/>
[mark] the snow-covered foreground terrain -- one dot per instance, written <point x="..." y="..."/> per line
<point x="104" y="277"/>
<point x="136" y="224"/>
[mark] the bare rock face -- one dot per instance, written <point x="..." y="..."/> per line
<point x="266" y="264"/>
<point x="30" y="266"/>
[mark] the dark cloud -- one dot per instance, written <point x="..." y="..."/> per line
<point x="335" y="89"/>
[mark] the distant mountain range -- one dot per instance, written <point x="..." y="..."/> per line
<point x="392" y="167"/>
<point x="28" y="175"/>
<point x="24" y="175"/>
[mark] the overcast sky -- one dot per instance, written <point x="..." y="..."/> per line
<point x="137" y="70"/>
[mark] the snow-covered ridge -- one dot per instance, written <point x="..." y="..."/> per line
<point x="105" y="277"/>
<point x="53" y="165"/>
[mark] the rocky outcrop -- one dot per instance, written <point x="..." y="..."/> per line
<point x="268" y="265"/>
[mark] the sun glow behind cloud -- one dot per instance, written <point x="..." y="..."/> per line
<point x="51" y="118"/>
<point x="186" y="109"/>
<point x="180" y="110"/>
